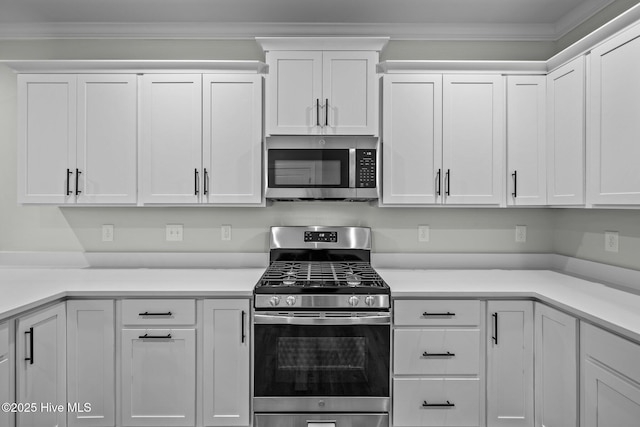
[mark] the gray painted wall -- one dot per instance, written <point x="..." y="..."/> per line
<point x="47" y="228"/>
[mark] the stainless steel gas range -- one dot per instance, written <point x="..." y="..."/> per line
<point x="322" y="332"/>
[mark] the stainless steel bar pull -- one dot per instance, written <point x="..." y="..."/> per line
<point x="146" y="313"/>
<point x="425" y="404"/>
<point x="495" y="328"/>
<point x="515" y="183"/>
<point x="447" y="354"/>
<point x="243" y="332"/>
<point x="196" y="183"/>
<point x="443" y="314"/>
<point x="156" y="337"/>
<point x="30" y="358"/>
<point x="69" y="173"/>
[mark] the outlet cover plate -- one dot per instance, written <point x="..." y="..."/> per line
<point x="423" y="233"/>
<point x="174" y="233"/>
<point x="225" y="232"/>
<point x="611" y="241"/>
<point x="107" y="233"/>
<point x="521" y="233"/>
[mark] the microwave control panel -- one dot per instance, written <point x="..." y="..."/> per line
<point x="366" y="168"/>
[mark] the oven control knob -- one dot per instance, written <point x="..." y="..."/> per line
<point x="353" y="300"/>
<point x="370" y="300"/>
<point x="275" y="300"/>
<point x="290" y="300"/>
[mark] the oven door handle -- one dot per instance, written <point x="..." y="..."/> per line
<point x="377" y="319"/>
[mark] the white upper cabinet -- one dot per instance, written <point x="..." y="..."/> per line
<point x="526" y="132"/>
<point x="565" y="134"/>
<point x="46" y="138"/>
<point x="319" y="87"/>
<point x="232" y="138"/>
<point x="294" y="93"/>
<point x="412" y="139"/>
<point x="473" y="142"/>
<point x="78" y="137"/>
<point x="107" y="139"/>
<point x="171" y="138"/>
<point x="202" y="139"/>
<point x="613" y="177"/>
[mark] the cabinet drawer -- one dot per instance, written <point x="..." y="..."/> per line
<point x="437" y="312"/>
<point x="436" y="351"/>
<point x="617" y="353"/>
<point x="4" y="340"/>
<point x="411" y="397"/>
<point x="159" y="312"/>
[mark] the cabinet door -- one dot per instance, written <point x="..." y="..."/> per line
<point x="7" y="379"/>
<point x="614" y="127"/>
<point x="41" y="372"/>
<point x="556" y="368"/>
<point x="350" y="93"/>
<point x="412" y="139"/>
<point x="473" y="142"/>
<point x="526" y="133"/>
<point x="609" y="399"/>
<point x="90" y="362"/>
<point x="171" y="138"/>
<point x="107" y="138"/>
<point x="294" y="93"/>
<point x="565" y="134"/>
<point x="226" y="363"/>
<point x="158" y="377"/>
<point x="46" y="138"/>
<point x="510" y="364"/>
<point x="232" y="138"/>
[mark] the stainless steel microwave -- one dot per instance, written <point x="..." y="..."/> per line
<point x="319" y="169"/>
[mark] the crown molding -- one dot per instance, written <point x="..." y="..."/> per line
<point x="250" y="30"/>
<point x="507" y="67"/>
<point x="133" y="66"/>
<point x="322" y="43"/>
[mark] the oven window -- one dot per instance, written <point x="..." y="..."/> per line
<point x="308" y="168"/>
<point x="314" y="360"/>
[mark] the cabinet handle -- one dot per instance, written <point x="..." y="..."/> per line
<point x="196" y="182"/>
<point x="495" y="328"/>
<point x="155" y="337"/>
<point x="78" y="172"/>
<point x="326" y="113"/>
<point x="146" y="313"/>
<point x="317" y="111"/>
<point x="30" y="358"/>
<point x="515" y="183"/>
<point x="206" y="178"/>
<point x="69" y="173"/>
<point x="448" y="314"/>
<point x="438" y="405"/>
<point x="244" y="335"/>
<point x="447" y="354"/>
<point x="438" y="182"/>
<point x="448" y="182"/>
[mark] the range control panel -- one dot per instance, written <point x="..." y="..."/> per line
<point x="366" y="168"/>
<point x="321" y="236"/>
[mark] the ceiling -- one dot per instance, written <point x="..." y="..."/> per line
<point x="401" y="19"/>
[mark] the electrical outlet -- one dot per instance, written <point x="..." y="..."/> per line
<point x="423" y="233"/>
<point x="174" y="233"/>
<point x="225" y="232"/>
<point x="521" y="233"/>
<point x="107" y="233"/>
<point x="611" y="241"/>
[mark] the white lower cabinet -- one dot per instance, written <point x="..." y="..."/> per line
<point x="158" y="377"/>
<point x="226" y="374"/>
<point x="556" y="368"/>
<point x="158" y="363"/>
<point x="91" y="363"/>
<point x="6" y="373"/>
<point x="610" y="379"/>
<point x="438" y="375"/>
<point x="436" y="402"/>
<point x="510" y="364"/>
<point x="41" y="371"/>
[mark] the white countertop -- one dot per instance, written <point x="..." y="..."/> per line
<point x="24" y="289"/>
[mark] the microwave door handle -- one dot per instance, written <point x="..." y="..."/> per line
<point x="352" y="168"/>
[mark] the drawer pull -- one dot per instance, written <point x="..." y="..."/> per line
<point x="155" y="337"/>
<point x="438" y="405"/>
<point x="447" y="354"/>
<point x="146" y="313"/>
<point x="447" y="314"/>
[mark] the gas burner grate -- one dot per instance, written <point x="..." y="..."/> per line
<point x="321" y="274"/>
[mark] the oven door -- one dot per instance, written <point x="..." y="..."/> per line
<point x="333" y="362"/>
<point x="311" y="173"/>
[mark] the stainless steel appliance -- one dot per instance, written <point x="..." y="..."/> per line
<point x="322" y="340"/>
<point x="322" y="168"/>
